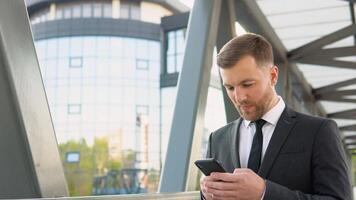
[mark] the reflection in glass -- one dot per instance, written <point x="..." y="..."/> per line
<point x="107" y="110"/>
<point x="88" y="9"/>
<point x="74" y="109"/>
<point x="107" y="105"/>
<point x="97" y="11"/>
<point x="175" y="50"/>
<point x="75" y="62"/>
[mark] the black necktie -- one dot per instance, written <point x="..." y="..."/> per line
<point x="254" y="160"/>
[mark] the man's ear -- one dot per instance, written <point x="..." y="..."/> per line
<point x="274" y="75"/>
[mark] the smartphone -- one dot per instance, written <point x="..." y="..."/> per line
<point x="209" y="165"/>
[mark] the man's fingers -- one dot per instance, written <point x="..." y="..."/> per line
<point x="242" y="170"/>
<point x="209" y="178"/>
<point x="226" y="177"/>
<point x="220" y="185"/>
<point x="218" y="194"/>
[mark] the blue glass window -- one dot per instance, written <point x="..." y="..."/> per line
<point x="130" y="9"/>
<point x="72" y="157"/>
<point x="74" y="109"/>
<point x="175" y="50"/>
<point x="75" y="62"/>
<point x="97" y="10"/>
<point x="142" y="64"/>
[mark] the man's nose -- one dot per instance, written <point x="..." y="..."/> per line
<point x="240" y="96"/>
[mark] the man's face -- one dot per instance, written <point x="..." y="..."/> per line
<point x="250" y="87"/>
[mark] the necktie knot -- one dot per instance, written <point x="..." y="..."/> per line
<point x="259" y="123"/>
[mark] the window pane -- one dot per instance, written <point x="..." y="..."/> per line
<point x="107" y="10"/>
<point x="74" y="109"/>
<point x="67" y="12"/>
<point x="97" y="10"/>
<point x="179" y="62"/>
<point x="135" y="11"/>
<point x="142" y="109"/>
<point x="75" y="62"/>
<point x="171" y="66"/>
<point x="76" y="11"/>
<point x="142" y="64"/>
<point x="72" y="157"/>
<point x="87" y="8"/>
<point x="43" y="17"/>
<point x="171" y="43"/>
<point x="59" y="13"/>
<point x="124" y="10"/>
<point x="180" y="44"/>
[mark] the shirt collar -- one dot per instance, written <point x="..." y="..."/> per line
<point x="273" y="115"/>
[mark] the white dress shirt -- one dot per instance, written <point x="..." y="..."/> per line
<point x="247" y="131"/>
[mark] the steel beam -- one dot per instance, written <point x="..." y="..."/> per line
<point x="178" y="173"/>
<point x="334" y="86"/>
<point x="226" y="32"/>
<point x="339" y="99"/>
<point x="348" y="128"/>
<point x="336" y="94"/>
<point x="351" y="147"/>
<point x="350" y="137"/>
<point x="313" y="46"/>
<point x="250" y="16"/>
<point x="332" y="53"/>
<point x="352" y="15"/>
<point x="347" y="114"/>
<point x="30" y="162"/>
<point x="349" y="141"/>
<point x="329" y="63"/>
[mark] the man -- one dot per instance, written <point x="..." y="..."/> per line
<point x="271" y="152"/>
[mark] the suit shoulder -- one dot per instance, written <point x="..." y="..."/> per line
<point x="313" y="119"/>
<point x="225" y="129"/>
<point x="317" y="122"/>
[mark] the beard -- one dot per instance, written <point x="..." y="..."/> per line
<point x="255" y="109"/>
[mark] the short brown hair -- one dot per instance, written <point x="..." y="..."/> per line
<point x="247" y="44"/>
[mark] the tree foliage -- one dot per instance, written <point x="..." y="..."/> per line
<point x="94" y="161"/>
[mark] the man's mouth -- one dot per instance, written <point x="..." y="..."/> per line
<point x="246" y="107"/>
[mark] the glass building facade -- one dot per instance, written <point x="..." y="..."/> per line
<point x="97" y="86"/>
<point x="111" y="113"/>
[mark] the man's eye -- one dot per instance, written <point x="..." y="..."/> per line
<point x="229" y="88"/>
<point x="247" y="85"/>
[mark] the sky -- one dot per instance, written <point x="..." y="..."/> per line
<point x="239" y="28"/>
<point x="188" y="3"/>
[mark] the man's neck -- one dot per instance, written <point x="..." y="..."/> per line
<point x="273" y="103"/>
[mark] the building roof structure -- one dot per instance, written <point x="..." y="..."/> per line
<point x="320" y="37"/>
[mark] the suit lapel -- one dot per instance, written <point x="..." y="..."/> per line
<point x="234" y="143"/>
<point x="280" y="134"/>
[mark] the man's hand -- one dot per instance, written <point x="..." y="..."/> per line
<point x="243" y="184"/>
<point x="203" y="181"/>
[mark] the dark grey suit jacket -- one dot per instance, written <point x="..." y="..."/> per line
<point x="304" y="159"/>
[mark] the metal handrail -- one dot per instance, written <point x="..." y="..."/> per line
<point x="154" y="196"/>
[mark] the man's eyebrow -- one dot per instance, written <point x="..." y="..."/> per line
<point x="244" y="81"/>
<point x="247" y="80"/>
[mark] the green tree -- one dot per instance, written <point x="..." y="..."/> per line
<point x="101" y="155"/>
<point x="94" y="161"/>
<point x="129" y="158"/>
<point x="79" y="175"/>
